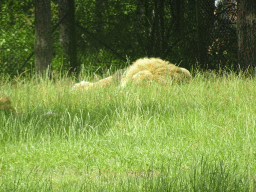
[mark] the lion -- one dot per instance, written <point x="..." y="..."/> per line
<point x="6" y="104"/>
<point x="142" y="70"/>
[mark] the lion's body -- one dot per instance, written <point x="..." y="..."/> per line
<point x="6" y="104"/>
<point x="146" y="69"/>
<point x="154" y="69"/>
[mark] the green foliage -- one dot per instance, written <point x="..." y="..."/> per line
<point x="180" y="32"/>
<point x="15" y="38"/>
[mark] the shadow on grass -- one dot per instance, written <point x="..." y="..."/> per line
<point x="204" y="176"/>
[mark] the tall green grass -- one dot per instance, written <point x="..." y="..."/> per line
<point x="197" y="136"/>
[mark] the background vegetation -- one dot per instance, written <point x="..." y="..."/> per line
<point x="188" y="33"/>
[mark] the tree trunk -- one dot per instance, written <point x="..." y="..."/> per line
<point x="64" y="30"/>
<point x="158" y="29"/>
<point x="161" y="27"/>
<point x="205" y="25"/>
<point x="246" y="31"/>
<point x="68" y="32"/>
<point x="138" y="27"/>
<point x="43" y="42"/>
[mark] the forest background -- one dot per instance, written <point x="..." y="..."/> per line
<point x="66" y="35"/>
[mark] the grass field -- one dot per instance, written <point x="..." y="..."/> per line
<point x="198" y="136"/>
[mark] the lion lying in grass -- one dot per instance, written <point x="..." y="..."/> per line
<point x="142" y="70"/>
<point x="6" y="104"/>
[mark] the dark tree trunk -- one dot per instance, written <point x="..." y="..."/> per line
<point x="64" y="30"/>
<point x="138" y="26"/>
<point x="205" y="25"/>
<point x="73" y="49"/>
<point x="43" y="42"/>
<point x="157" y="30"/>
<point x="246" y="31"/>
<point x="73" y="59"/>
<point x="68" y="32"/>
<point x="161" y="27"/>
<point x="148" y="26"/>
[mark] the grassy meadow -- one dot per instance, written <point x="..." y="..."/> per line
<point x="196" y="136"/>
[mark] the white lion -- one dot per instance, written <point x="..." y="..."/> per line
<point x="145" y="69"/>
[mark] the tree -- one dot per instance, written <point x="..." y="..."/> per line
<point x="67" y="30"/>
<point x="43" y="41"/>
<point x="204" y="25"/>
<point x="246" y="31"/>
<point x="64" y="29"/>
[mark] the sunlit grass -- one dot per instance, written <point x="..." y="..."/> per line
<point x="197" y="136"/>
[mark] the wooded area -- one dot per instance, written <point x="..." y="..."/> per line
<point x="68" y="34"/>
